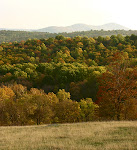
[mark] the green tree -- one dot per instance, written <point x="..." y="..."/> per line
<point x="88" y="109"/>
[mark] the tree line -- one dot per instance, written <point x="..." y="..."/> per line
<point x="18" y="106"/>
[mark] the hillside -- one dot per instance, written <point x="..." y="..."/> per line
<point x="62" y="72"/>
<point x="76" y="136"/>
<point x="11" y="36"/>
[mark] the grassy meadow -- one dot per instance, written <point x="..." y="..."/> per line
<point x="77" y="136"/>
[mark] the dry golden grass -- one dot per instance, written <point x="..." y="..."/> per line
<point x="78" y="136"/>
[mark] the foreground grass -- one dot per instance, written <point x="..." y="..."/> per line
<point x="79" y="136"/>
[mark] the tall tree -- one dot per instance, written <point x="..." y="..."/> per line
<point x="117" y="92"/>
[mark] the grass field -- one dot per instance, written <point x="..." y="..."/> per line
<point x="78" y="136"/>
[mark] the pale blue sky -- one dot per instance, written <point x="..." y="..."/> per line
<point x="35" y="14"/>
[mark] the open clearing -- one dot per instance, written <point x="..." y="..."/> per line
<point x="77" y="136"/>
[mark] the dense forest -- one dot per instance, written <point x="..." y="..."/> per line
<point x="11" y="36"/>
<point x="68" y="79"/>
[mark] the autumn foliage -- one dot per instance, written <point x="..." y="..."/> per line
<point x="117" y="94"/>
<point x="64" y="79"/>
<point x="21" y="107"/>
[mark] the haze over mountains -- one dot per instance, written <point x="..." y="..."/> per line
<point x="82" y="27"/>
<point x="74" y="28"/>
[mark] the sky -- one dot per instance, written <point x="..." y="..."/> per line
<point x="36" y="14"/>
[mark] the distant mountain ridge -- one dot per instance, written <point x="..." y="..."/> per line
<point x="82" y="27"/>
<point x="73" y="28"/>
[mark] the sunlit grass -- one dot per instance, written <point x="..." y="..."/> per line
<point x="78" y="136"/>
